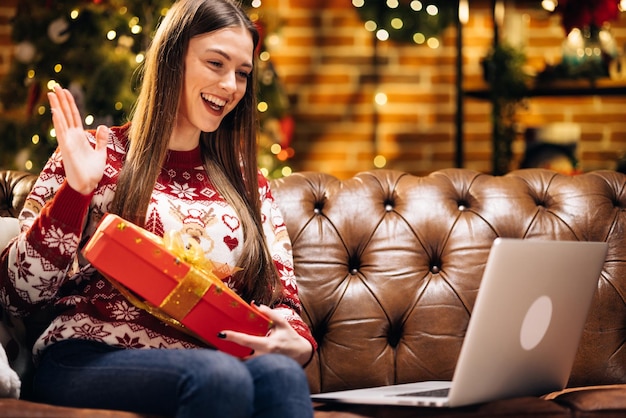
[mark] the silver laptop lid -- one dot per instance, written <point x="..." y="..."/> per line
<point x="528" y="319"/>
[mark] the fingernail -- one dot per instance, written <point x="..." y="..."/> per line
<point x="221" y="335"/>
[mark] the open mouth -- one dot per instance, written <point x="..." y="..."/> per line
<point x="214" y="102"/>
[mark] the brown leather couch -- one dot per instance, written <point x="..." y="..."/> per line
<point x="389" y="265"/>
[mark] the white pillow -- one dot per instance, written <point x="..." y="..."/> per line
<point x="10" y="384"/>
<point x="9" y="227"/>
<point x="9" y="380"/>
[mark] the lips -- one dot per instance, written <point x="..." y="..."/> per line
<point x="214" y="102"/>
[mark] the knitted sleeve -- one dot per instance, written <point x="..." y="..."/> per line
<point x="279" y="245"/>
<point x="35" y="263"/>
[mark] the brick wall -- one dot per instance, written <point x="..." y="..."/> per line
<point x="326" y="61"/>
<point x="7" y="11"/>
<point x="325" y="57"/>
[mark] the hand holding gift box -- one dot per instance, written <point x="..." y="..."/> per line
<point x="176" y="284"/>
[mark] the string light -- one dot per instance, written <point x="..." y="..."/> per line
<point x="419" y="38"/>
<point x="382" y="34"/>
<point x="433" y="43"/>
<point x="380" y="99"/>
<point x="276" y="149"/>
<point x="464" y="11"/>
<point x="272" y="40"/>
<point x="432" y="10"/>
<point x="283" y="155"/>
<point x="549" y="5"/>
<point x="370" y="25"/>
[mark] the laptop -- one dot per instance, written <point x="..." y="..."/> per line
<point x="524" y="330"/>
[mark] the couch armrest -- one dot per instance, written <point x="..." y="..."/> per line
<point x="592" y="398"/>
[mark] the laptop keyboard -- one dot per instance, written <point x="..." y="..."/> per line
<point x="436" y="393"/>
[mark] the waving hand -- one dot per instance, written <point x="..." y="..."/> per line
<point x="84" y="165"/>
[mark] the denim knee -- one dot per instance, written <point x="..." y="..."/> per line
<point x="214" y="381"/>
<point x="282" y="389"/>
<point x="276" y="365"/>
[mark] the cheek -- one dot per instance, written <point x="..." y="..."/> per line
<point x="241" y="91"/>
<point x="193" y="77"/>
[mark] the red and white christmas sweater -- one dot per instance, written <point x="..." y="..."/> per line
<point x="44" y="264"/>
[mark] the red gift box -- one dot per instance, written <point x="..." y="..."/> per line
<point x="186" y="294"/>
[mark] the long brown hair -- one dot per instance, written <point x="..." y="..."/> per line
<point x="229" y="153"/>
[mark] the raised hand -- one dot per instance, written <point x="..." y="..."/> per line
<point x="84" y="165"/>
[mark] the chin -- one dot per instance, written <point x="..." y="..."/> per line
<point x="210" y="128"/>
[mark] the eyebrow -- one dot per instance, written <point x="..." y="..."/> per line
<point x="228" y="57"/>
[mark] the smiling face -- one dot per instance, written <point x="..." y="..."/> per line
<point x="218" y="67"/>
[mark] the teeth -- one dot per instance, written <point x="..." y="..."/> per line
<point x="215" y="101"/>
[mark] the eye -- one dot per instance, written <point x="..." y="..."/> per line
<point x="217" y="64"/>
<point x="244" y="74"/>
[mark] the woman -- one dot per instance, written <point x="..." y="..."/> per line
<point x="187" y="162"/>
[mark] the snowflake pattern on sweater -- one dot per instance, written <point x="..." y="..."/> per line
<point x="43" y="265"/>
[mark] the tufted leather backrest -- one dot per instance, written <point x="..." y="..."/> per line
<point x="389" y="264"/>
<point x="14" y="188"/>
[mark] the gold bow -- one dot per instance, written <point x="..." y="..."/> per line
<point x="198" y="280"/>
<point x="193" y="254"/>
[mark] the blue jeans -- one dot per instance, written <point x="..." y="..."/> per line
<point x="171" y="382"/>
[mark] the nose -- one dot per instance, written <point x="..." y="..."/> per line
<point x="229" y="81"/>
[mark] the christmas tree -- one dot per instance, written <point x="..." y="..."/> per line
<point x="94" y="47"/>
<point x="276" y="123"/>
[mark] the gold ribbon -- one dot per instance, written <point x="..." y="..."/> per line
<point x="191" y="288"/>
